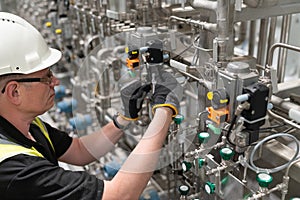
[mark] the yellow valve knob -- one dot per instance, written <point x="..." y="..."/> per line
<point x="48" y="24"/>
<point x="58" y="31"/>
<point x="210" y="95"/>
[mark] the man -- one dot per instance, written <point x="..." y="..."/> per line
<point x="30" y="149"/>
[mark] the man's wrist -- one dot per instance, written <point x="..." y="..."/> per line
<point x="166" y="110"/>
<point x="120" y="122"/>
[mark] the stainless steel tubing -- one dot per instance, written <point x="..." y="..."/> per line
<point x="225" y="21"/>
<point x="203" y="25"/>
<point x="271" y="53"/>
<point x="273" y="21"/>
<point x="266" y="139"/>
<point x="211" y="5"/>
<point x="284" y="106"/>
<point x="282" y="55"/>
<point x="261" y="51"/>
<point x="284" y="120"/>
<point x="276" y="45"/>
<point x="252" y="38"/>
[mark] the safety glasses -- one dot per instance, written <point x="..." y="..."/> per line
<point x="48" y="79"/>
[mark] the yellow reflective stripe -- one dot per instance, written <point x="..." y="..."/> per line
<point x="40" y="124"/>
<point x="10" y="150"/>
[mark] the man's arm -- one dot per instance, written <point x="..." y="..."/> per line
<point x="89" y="148"/>
<point x="137" y="170"/>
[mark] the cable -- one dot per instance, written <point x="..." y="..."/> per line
<point x="266" y="139"/>
<point x="271" y="127"/>
<point x="229" y="130"/>
<point x="187" y="48"/>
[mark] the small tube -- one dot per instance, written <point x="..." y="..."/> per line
<point x="266" y="139"/>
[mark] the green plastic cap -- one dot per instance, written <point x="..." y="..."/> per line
<point x="178" y="119"/>
<point x="201" y="162"/>
<point x="226" y="153"/>
<point x="209" y="187"/>
<point x="184" y="189"/>
<point x="186" y="166"/>
<point x="264" y="179"/>
<point x="203" y="137"/>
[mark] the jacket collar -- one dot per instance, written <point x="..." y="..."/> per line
<point x="13" y="134"/>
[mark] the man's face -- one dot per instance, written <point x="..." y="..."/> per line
<point x="38" y="97"/>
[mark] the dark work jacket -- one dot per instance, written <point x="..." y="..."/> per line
<point x="34" y="173"/>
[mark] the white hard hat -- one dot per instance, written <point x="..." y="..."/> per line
<point x="22" y="48"/>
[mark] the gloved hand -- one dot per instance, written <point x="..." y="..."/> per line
<point x="167" y="92"/>
<point x="132" y="95"/>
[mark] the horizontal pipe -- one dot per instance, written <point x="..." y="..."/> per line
<point x="211" y="5"/>
<point x="283" y="105"/>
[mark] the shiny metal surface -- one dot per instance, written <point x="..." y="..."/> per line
<point x="228" y="55"/>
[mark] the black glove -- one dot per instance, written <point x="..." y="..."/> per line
<point x="167" y="92"/>
<point x="132" y="95"/>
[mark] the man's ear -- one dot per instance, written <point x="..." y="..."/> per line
<point x="13" y="92"/>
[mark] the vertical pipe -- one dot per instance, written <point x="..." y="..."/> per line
<point x="282" y="53"/>
<point x="225" y="12"/>
<point x="271" y="33"/>
<point x="261" y="51"/>
<point x="252" y="38"/>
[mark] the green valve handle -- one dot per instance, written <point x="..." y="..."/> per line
<point x="184" y="189"/>
<point x="201" y="162"/>
<point x="209" y="187"/>
<point x="264" y="179"/>
<point x="226" y="153"/>
<point x="203" y="137"/>
<point x="186" y="166"/>
<point x="178" y="119"/>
